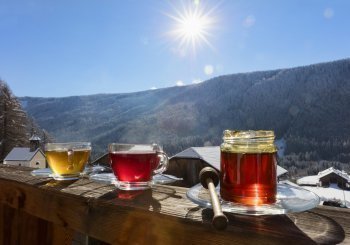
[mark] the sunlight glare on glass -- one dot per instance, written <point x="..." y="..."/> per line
<point x="192" y="26"/>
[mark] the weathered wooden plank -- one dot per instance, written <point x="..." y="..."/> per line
<point x="18" y="227"/>
<point x="162" y="215"/>
<point x="61" y="235"/>
<point x="329" y="225"/>
<point x="324" y="229"/>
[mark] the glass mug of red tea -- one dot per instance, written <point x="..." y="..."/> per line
<point x="248" y="167"/>
<point x="135" y="164"/>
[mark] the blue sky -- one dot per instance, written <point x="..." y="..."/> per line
<point x="62" y="48"/>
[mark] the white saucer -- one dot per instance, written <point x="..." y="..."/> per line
<point x="109" y="178"/>
<point x="47" y="172"/>
<point x="95" y="174"/>
<point x="290" y="199"/>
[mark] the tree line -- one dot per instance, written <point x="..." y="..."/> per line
<point x="16" y="127"/>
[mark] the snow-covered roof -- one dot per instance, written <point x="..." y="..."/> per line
<point x="333" y="170"/>
<point x="314" y="179"/>
<point x="21" y="154"/>
<point x="308" y="180"/>
<point x="34" y="138"/>
<point x="331" y="193"/>
<point x="211" y="155"/>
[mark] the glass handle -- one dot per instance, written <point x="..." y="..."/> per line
<point x="163" y="163"/>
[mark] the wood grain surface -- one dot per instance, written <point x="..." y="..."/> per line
<point x="163" y="215"/>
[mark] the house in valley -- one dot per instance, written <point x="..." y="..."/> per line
<point x="331" y="185"/>
<point x="27" y="156"/>
<point x="327" y="177"/>
<point x="188" y="163"/>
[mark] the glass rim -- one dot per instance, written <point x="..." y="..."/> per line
<point x="128" y="144"/>
<point x="253" y="135"/>
<point x="248" y="141"/>
<point x="68" y="146"/>
<point x="116" y="147"/>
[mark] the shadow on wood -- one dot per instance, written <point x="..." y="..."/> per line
<point x="279" y="225"/>
<point x="324" y="230"/>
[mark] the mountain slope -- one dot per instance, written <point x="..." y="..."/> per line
<point x="303" y="105"/>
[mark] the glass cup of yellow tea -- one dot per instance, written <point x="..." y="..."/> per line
<point x="67" y="160"/>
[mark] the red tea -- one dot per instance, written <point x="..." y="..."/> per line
<point x="133" y="166"/>
<point x="248" y="178"/>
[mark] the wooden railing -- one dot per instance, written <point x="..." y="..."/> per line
<point x="37" y="210"/>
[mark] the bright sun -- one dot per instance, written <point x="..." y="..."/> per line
<point x="192" y="27"/>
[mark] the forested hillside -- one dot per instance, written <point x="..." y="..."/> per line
<point x="15" y="126"/>
<point x="306" y="106"/>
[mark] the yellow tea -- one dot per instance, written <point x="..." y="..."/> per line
<point x="67" y="163"/>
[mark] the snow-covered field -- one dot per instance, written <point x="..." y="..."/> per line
<point x="331" y="193"/>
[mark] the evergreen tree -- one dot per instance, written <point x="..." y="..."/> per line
<point x="13" y="121"/>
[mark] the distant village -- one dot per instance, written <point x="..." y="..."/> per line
<point x="331" y="185"/>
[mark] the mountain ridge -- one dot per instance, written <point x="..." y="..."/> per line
<point x="187" y="85"/>
<point x="301" y="104"/>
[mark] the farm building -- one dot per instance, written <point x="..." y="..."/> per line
<point x="327" y="177"/>
<point x="188" y="163"/>
<point x="27" y="156"/>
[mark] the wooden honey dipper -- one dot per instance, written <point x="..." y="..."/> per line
<point x="209" y="179"/>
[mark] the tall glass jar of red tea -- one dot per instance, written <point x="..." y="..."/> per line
<point x="248" y="167"/>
